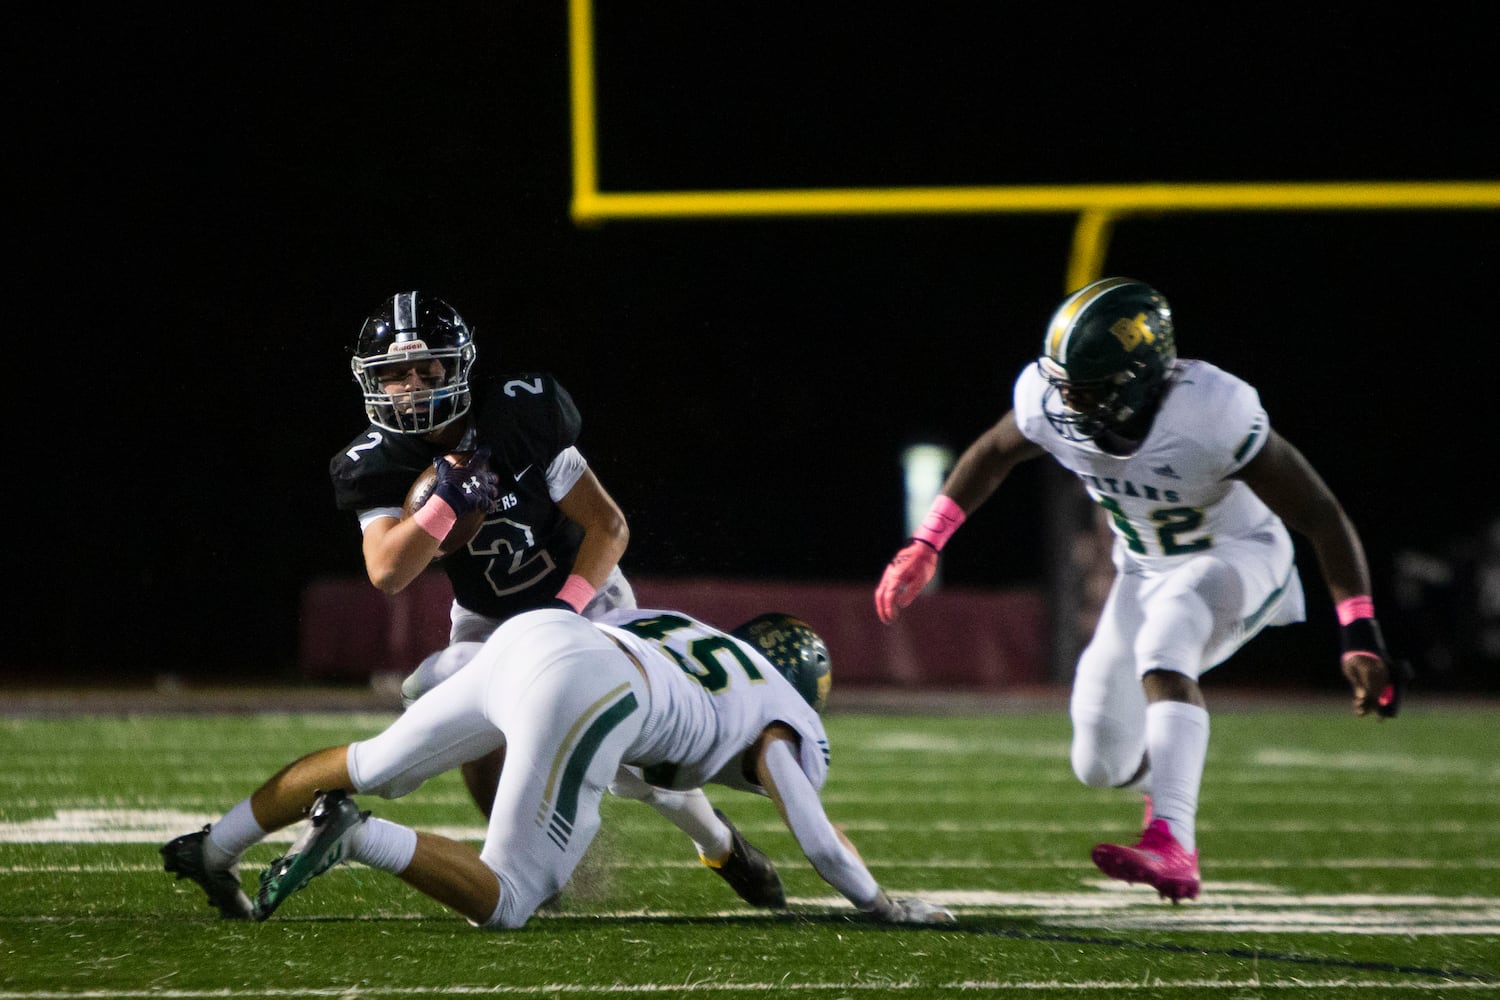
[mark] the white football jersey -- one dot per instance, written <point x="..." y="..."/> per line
<point x="711" y="697"/>
<point x="1173" y="497"/>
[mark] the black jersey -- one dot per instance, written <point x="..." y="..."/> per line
<point x="525" y="550"/>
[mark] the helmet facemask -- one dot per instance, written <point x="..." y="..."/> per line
<point x="1108" y="354"/>
<point x="412" y="364"/>
<point x="411" y="404"/>
<point x="1082" y="409"/>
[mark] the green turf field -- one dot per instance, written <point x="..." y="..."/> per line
<point x="1341" y="858"/>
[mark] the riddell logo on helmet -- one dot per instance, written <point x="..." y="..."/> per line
<point x="1132" y="332"/>
<point x="405" y="346"/>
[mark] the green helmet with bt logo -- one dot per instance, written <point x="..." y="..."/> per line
<point x="1107" y="355"/>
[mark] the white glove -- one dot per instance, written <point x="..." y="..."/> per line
<point x="912" y="910"/>
<point x="908" y="910"/>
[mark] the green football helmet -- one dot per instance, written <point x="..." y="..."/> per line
<point x="1107" y="355"/>
<point x="797" y="652"/>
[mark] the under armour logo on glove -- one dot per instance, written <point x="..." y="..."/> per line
<point x="467" y="487"/>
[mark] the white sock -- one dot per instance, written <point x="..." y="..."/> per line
<point x="231" y="836"/>
<point x="382" y="844"/>
<point x="1177" y="746"/>
<point x="692" y="813"/>
<point x="689" y="811"/>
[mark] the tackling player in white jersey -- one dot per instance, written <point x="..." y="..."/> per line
<point x="1199" y="491"/>
<point x="572" y="701"/>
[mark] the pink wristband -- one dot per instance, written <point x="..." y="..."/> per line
<point x="577" y="592"/>
<point x="435" y="517"/>
<point x="1355" y="608"/>
<point x="942" y="520"/>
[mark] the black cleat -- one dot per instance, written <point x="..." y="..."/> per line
<point x="183" y="857"/>
<point x="748" y="871"/>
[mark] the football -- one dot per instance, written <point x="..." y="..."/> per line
<point x="464" y="529"/>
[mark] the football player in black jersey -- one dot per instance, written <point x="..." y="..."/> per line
<point x="553" y="535"/>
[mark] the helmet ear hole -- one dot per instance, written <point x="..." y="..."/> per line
<point x="412" y="330"/>
<point x="797" y="652"/>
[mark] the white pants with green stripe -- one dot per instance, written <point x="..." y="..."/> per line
<point x="566" y="703"/>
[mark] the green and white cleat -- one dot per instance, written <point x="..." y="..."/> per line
<point x="331" y="819"/>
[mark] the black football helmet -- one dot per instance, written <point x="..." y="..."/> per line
<point x="797" y="652"/>
<point x="414" y="329"/>
<point x="1107" y="355"/>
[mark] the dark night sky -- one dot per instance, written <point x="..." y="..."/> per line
<point x="208" y="209"/>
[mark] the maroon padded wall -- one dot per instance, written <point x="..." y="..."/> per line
<point x="954" y="639"/>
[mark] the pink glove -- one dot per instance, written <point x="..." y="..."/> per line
<point x="904" y="578"/>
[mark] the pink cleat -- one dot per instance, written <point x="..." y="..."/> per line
<point x="1158" y="860"/>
